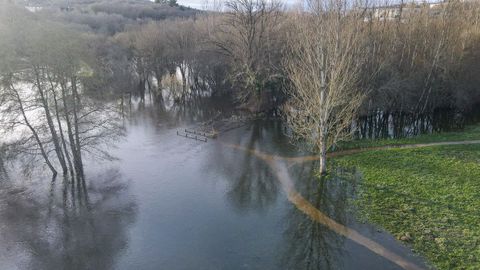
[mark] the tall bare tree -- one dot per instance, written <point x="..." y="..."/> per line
<point x="181" y="39"/>
<point x="324" y="67"/>
<point x="248" y="37"/>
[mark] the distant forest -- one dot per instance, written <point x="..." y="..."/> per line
<point x="109" y="16"/>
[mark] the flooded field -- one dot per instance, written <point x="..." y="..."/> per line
<point x="169" y="202"/>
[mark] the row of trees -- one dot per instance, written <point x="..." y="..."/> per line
<point x="350" y="71"/>
<point x="426" y="58"/>
<point x="237" y="53"/>
<point x="414" y="63"/>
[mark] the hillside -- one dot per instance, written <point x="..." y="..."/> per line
<point x="108" y="16"/>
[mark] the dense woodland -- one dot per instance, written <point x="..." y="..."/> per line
<point x="330" y="69"/>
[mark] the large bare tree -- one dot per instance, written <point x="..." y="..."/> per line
<point x="248" y="36"/>
<point x="326" y="54"/>
<point x="46" y="97"/>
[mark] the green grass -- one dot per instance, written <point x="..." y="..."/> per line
<point x="431" y="194"/>
<point x="469" y="133"/>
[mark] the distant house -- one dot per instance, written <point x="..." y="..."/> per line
<point x="392" y="12"/>
<point x="33" y="8"/>
<point x="384" y="13"/>
<point x="387" y="12"/>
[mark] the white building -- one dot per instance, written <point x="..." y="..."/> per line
<point x="33" y="8"/>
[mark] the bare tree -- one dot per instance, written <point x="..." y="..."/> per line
<point x="181" y="40"/>
<point x="44" y="96"/>
<point x="324" y="70"/>
<point x="151" y="43"/>
<point x="19" y="107"/>
<point x="247" y="36"/>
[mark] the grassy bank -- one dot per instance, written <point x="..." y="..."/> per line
<point x="429" y="197"/>
<point x="469" y="133"/>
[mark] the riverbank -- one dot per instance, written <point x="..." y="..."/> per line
<point x="471" y="132"/>
<point x="428" y="197"/>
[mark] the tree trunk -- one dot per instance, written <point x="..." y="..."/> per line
<point x="76" y="124"/>
<point x="62" y="137"/>
<point x="122" y="104"/>
<point x="2" y="167"/>
<point x="51" y="126"/>
<point x="141" y="89"/>
<point x="323" y="158"/>
<point x="149" y="88"/>
<point x="159" y="94"/>
<point x="184" y="82"/>
<point x="70" y="131"/>
<point x="322" y="131"/>
<point x="35" y="134"/>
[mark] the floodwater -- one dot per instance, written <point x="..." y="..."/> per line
<point x="170" y="202"/>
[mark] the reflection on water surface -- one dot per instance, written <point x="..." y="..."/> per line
<point x="173" y="203"/>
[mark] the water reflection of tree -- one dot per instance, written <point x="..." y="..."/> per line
<point x="254" y="186"/>
<point x="252" y="183"/>
<point x="310" y="244"/>
<point x="3" y="171"/>
<point x="193" y="111"/>
<point x="69" y="229"/>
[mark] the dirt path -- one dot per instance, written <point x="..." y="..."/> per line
<point x="360" y="150"/>
<point x="280" y="169"/>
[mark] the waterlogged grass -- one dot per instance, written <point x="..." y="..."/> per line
<point x="469" y="133"/>
<point x="428" y="197"/>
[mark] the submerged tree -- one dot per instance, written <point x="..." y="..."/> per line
<point x="45" y="94"/>
<point x="248" y="35"/>
<point x="324" y="72"/>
